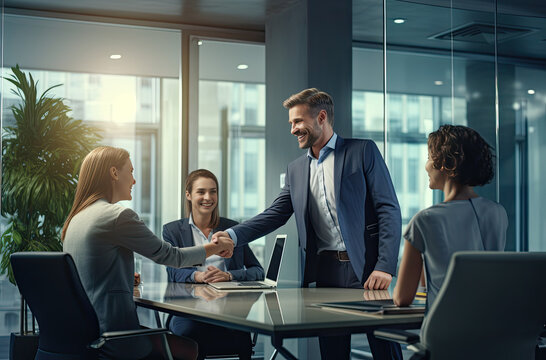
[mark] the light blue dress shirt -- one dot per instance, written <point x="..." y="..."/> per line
<point x="200" y="239"/>
<point x="322" y="199"/>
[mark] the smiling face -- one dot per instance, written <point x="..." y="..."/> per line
<point x="305" y="127"/>
<point x="436" y="177"/>
<point x="203" y="196"/>
<point x="123" y="181"/>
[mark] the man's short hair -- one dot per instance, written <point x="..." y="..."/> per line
<point x="316" y="100"/>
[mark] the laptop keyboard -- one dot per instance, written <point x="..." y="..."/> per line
<point x="252" y="283"/>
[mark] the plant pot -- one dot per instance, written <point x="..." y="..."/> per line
<point x="23" y="347"/>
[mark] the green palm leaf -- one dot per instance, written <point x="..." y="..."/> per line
<point x="41" y="157"/>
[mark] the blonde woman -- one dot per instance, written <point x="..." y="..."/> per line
<point x="102" y="236"/>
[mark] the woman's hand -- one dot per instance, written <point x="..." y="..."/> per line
<point x="216" y="238"/>
<point x="226" y="245"/>
<point x="198" y="276"/>
<point x="222" y="246"/>
<point x="213" y="274"/>
<point x="208" y="293"/>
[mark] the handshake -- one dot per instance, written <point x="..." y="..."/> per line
<point x="221" y="244"/>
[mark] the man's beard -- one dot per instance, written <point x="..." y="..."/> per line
<point x="312" y="137"/>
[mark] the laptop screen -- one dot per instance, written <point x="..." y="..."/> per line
<point x="276" y="256"/>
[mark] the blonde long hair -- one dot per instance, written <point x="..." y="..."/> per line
<point x="94" y="181"/>
<point x="194" y="175"/>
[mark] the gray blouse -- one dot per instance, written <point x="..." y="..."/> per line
<point x="102" y="239"/>
<point x="442" y="229"/>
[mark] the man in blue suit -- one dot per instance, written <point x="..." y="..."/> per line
<point x="347" y="213"/>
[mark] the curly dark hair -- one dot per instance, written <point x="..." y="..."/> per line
<point x="462" y="153"/>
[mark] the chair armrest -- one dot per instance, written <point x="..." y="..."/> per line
<point x="111" y="335"/>
<point x="397" y="335"/>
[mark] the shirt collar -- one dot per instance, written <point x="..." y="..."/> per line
<point x="193" y="226"/>
<point x="326" y="149"/>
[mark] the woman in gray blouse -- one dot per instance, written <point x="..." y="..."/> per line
<point x="101" y="236"/>
<point x="459" y="159"/>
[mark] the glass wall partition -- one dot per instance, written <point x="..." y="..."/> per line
<point x="124" y="81"/>
<point x="480" y="65"/>
<point x="231" y="126"/>
<point x="522" y="116"/>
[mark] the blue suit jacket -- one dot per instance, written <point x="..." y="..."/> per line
<point x="243" y="265"/>
<point x="367" y="208"/>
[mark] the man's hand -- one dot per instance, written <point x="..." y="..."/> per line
<point x="213" y="274"/>
<point x="378" y="280"/>
<point x="220" y="238"/>
<point x="137" y="279"/>
<point x="376" y="295"/>
<point x="219" y="234"/>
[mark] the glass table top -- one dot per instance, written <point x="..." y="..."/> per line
<point x="283" y="309"/>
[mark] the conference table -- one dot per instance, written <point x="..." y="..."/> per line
<point x="281" y="313"/>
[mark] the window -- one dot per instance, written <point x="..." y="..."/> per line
<point x="134" y="106"/>
<point x="231" y="127"/>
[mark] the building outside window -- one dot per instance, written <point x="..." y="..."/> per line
<point x="134" y="108"/>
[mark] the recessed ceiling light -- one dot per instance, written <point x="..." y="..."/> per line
<point x="242" y="66"/>
<point x="199" y="42"/>
<point x="399" y="21"/>
<point x="115" y="56"/>
<point x="438" y="82"/>
<point x="531" y="92"/>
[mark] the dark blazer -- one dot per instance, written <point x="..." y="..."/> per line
<point x="243" y="265"/>
<point x="367" y="208"/>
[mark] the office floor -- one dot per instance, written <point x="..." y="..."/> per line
<point x="360" y="349"/>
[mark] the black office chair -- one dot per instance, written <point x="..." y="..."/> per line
<point x="491" y="306"/>
<point x="68" y="324"/>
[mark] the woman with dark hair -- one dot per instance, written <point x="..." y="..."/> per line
<point x="202" y="222"/>
<point x="458" y="159"/>
<point x="101" y="236"/>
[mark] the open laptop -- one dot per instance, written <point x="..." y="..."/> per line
<point x="272" y="272"/>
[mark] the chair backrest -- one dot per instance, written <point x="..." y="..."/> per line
<point x="50" y="284"/>
<point x="492" y="305"/>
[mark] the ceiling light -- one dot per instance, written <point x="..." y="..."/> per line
<point x="531" y="92"/>
<point x="115" y="56"/>
<point x="438" y="82"/>
<point x="399" y="21"/>
<point x="199" y="42"/>
<point x="242" y="66"/>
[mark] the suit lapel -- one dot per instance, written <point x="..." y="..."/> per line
<point x="339" y="161"/>
<point x="305" y="177"/>
<point x="186" y="233"/>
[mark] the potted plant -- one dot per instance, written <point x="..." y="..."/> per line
<point x="41" y="157"/>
